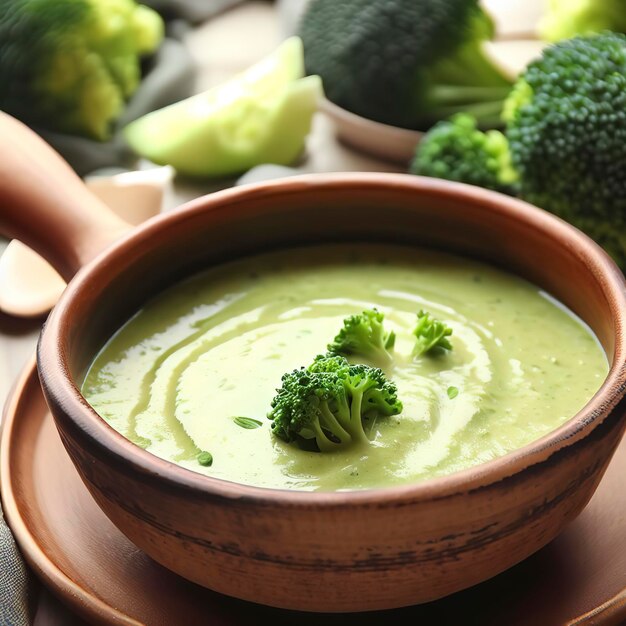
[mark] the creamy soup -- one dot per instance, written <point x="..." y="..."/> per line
<point x="214" y="348"/>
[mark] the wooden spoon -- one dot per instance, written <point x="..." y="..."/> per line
<point x="30" y="286"/>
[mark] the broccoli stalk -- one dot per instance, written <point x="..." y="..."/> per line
<point x="431" y="334"/>
<point x="364" y="334"/>
<point x="405" y="62"/>
<point x="467" y="80"/>
<point x="371" y="396"/>
<point x="328" y="403"/>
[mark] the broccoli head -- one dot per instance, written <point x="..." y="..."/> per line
<point x="407" y="63"/>
<point x="457" y="150"/>
<point x="70" y="65"/>
<point x="566" y="126"/>
<point x="330" y="402"/>
<point x="568" y="18"/>
<point x="329" y="362"/>
<point x="431" y="334"/>
<point x="365" y="335"/>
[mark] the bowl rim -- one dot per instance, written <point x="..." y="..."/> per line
<point x="346" y="116"/>
<point x="65" y="399"/>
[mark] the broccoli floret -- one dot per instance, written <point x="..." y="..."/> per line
<point x="431" y="334"/>
<point x="407" y="63"/>
<point x="306" y="407"/>
<point x="70" y="65"/>
<point x="329" y="402"/>
<point x="566" y="126"/>
<point x="457" y="150"/>
<point x="566" y="130"/>
<point x="329" y="362"/>
<point x="568" y="18"/>
<point x="364" y="334"/>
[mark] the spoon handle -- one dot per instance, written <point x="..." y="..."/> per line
<point x="44" y="204"/>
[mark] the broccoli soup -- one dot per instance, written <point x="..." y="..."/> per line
<point x="192" y="376"/>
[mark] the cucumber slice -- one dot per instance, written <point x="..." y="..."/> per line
<point x="263" y="115"/>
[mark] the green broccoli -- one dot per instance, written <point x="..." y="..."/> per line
<point x="431" y="334"/>
<point x="568" y="18"/>
<point x="70" y="65"/>
<point x="566" y="131"/>
<point x="329" y="403"/>
<point x="566" y="126"/>
<point x="329" y="362"/>
<point x="407" y="63"/>
<point x="456" y="150"/>
<point x="364" y="334"/>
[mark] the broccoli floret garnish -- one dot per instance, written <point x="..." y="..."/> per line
<point x="328" y="362"/>
<point x="457" y="150"/>
<point x="431" y="334"/>
<point x="568" y="18"/>
<point x="364" y="334"/>
<point x="407" y="63"/>
<point x="70" y="65"/>
<point x="566" y="126"/>
<point x="329" y="403"/>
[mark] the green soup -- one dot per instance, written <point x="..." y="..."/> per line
<point x="215" y="347"/>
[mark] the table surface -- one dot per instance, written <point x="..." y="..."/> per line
<point x="217" y="50"/>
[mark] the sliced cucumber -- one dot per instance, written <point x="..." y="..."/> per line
<point x="263" y="115"/>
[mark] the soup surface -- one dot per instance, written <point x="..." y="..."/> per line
<point x="215" y="347"/>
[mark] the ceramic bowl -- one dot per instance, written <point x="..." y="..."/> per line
<point x="389" y="143"/>
<point x="395" y="546"/>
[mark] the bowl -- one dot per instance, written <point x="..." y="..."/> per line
<point x="383" y="141"/>
<point x="343" y="551"/>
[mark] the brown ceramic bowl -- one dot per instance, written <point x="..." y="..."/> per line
<point x="397" y="546"/>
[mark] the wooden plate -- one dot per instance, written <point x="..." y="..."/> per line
<point x="579" y="578"/>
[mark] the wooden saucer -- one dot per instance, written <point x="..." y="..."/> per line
<point x="78" y="553"/>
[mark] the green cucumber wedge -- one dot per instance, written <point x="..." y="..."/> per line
<point x="262" y="115"/>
